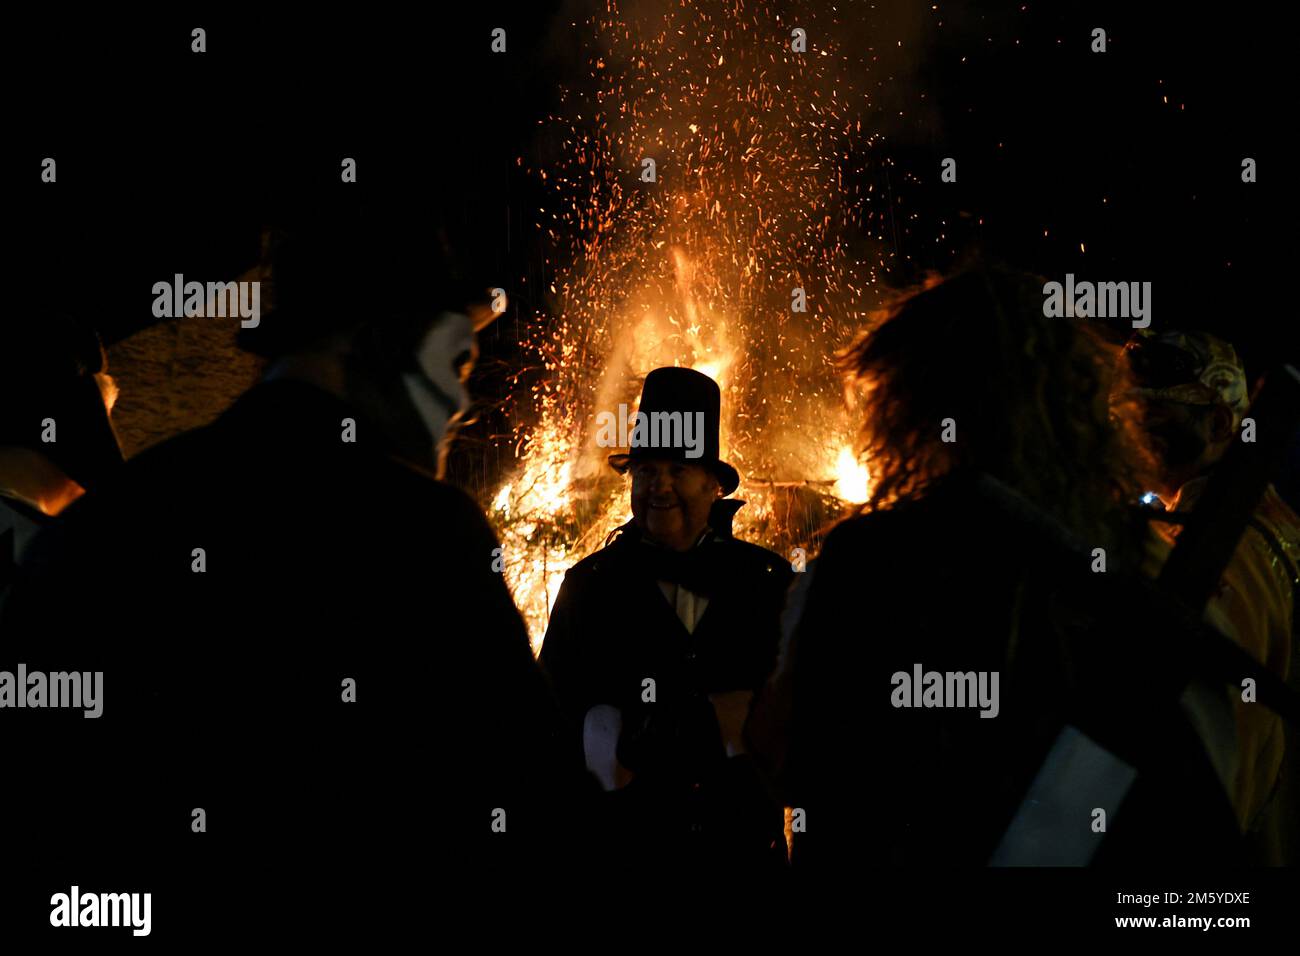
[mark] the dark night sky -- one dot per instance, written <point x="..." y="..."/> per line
<point x="171" y="162"/>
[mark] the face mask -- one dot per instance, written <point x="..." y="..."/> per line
<point x="444" y="357"/>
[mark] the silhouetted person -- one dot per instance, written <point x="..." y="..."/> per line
<point x="999" y="487"/>
<point x="299" y="626"/>
<point x="1192" y="396"/>
<point x="656" y="645"/>
<point x="56" y="437"/>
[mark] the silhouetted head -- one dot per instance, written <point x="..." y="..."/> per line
<point x="1020" y="396"/>
<point x="380" y="292"/>
<point x="54" y="384"/>
<point x="1190" y="393"/>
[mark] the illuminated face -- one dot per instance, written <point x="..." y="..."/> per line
<point x="671" y="500"/>
<point x="445" y="357"/>
<point x="1186" y="439"/>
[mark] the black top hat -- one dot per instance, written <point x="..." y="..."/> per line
<point x="686" y="391"/>
<point x="338" y="265"/>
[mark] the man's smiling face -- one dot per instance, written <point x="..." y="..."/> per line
<point x="671" y="500"/>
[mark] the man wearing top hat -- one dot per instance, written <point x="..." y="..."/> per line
<point x="656" y="644"/>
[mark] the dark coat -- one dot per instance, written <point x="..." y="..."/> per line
<point x="325" y="561"/>
<point x="958" y="581"/>
<point x="611" y="628"/>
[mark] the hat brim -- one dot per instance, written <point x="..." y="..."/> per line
<point x="727" y="476"/>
